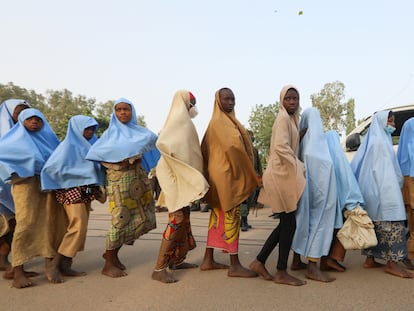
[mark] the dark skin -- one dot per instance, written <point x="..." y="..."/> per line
<point x="227" y="101"/>
<point x="33" y="124"/>
<point x="291" y="101"/>
<point x="123" y="112"/>
<point x="88" y="132"/>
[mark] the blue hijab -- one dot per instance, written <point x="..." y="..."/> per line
<point x="405" y="152"/>
<point x="315" y="216"/>
<point x="378" y="173"/>
<point x="67" y="166"/>
<point x="349" y="194"/>
<point x="122" y="141"/>
<point x="6" y="123"/>
<point x="23" y="152"/>
<point x="6" y="112"/>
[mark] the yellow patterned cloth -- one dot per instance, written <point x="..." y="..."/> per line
<point x="224" y="230"/>
<point x="130" y="189"/>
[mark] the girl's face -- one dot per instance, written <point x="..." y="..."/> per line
<point x="123" y="112"/>
<point x="391" y="121"/>
<point x="88" y="132"/>
<point x="33" y="124"/>
<point x="291" y="101"/>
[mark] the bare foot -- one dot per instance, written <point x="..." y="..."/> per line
<point x="112" y="270"/>
<point x="52" y="272"/>
<point x="394" y="269"/>
<point x="408" y="264"/>
<point x="314" y="273"/>
<point x="261" y="270"/>
<point x="282" y="277"/>
<point x="19" y="279"/>
<point x="327" y="264"/>
<point x="212" y="265"/>
<point x="117" y="262"/>
<point x="183" y="265"/>
<point x="163" y="276"/>
<point x="241" y="272"/>
<point x="370" y="263"/>
<point x="297" y="263"/>
<point x="71" y="272"/>
<point x="9" y="274"/>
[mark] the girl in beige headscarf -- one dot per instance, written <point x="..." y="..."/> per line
<point x="283" y="185"/>
<point x="179" y="173"/>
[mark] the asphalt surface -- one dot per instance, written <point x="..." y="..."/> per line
<point x="355" y="289"/>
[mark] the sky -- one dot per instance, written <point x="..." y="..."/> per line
<point x="147" y="50"/>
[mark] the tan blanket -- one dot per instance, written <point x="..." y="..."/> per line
<point x="40" y="222"/>
<point x="228" y="160"/>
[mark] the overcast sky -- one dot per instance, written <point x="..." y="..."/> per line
<point x="147" y="50"/>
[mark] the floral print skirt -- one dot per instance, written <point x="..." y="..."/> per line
<point x="392" y="241"/>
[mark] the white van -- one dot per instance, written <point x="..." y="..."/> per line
<point x="354" y="139"/>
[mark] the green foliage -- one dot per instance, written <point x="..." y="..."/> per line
<point x="9" y="90"/>
<point x="335" y="113"/>
<point x="141" y="120"/>
<point x="62" y="105"/>
<point x="59" y="106"/>
<point x="261" y="121"/>
<point x="103" y="113"/>
<point x="350" y="116"/>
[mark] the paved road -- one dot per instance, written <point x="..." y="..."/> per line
<point x="356" y="289"/>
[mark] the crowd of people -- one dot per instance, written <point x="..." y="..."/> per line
<point x="47" y="186"/>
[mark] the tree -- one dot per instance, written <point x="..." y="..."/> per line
<point x="103" y="113"/>
<point x="350" y="116"/>
<point x="141" y="120"/>
<point x="62" y="106"/>
<point x="9" y="91"/>
<point x="261" y="121"/>
<point x="331" y="105"/>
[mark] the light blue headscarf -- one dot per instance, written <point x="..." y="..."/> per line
<point x="349" y="194"/>
<point x="6" y="123"/>
<point x="405" y="152"/>
<point x="67" y="166"/>
<point x="315" y="216"/>
<point x="378" y="173"/>
<point x="23" y="152"/>
<point x="6" y="112"/>
<point x="122" y="141"/>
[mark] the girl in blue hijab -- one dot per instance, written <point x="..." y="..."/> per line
<point x="76" y="181"/>
<point x="315" y="217"/>
<point x="379" y="176"/>
<point x="23" y="153"/>
<point x="120" y="150"/>
<point x="9" y="110"/>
